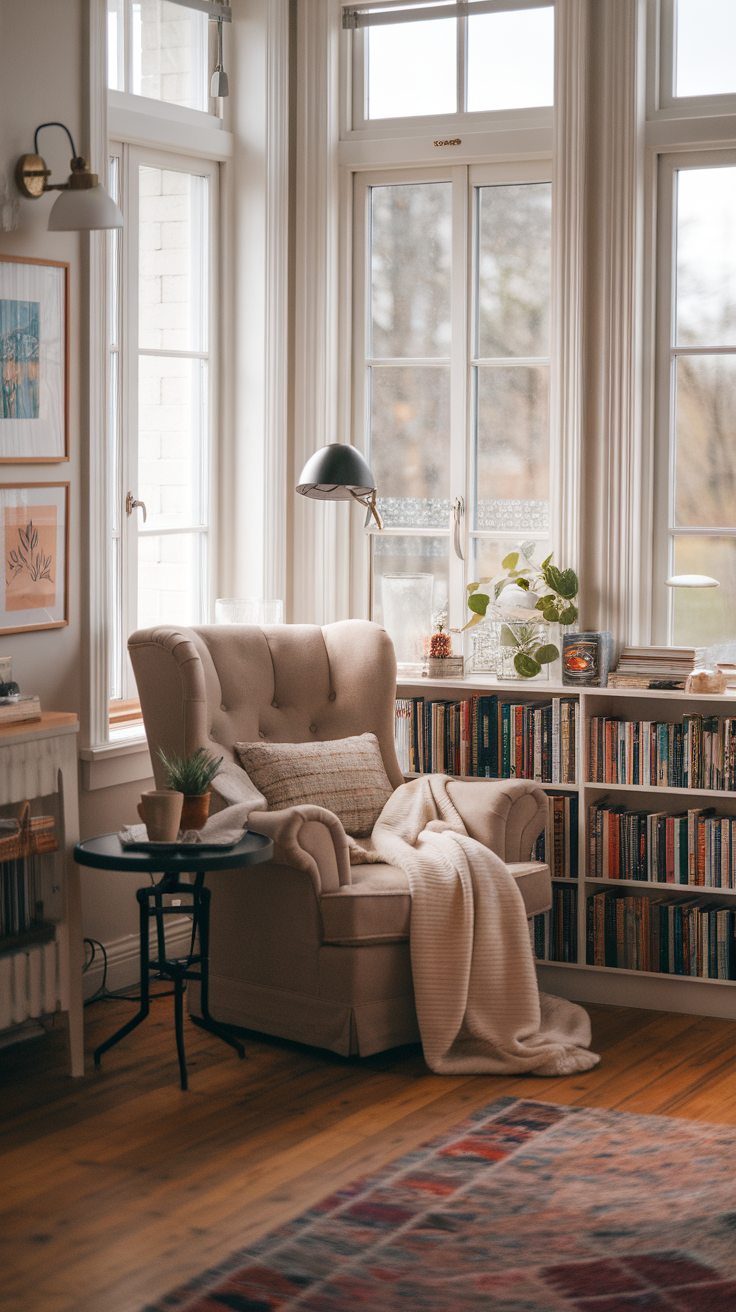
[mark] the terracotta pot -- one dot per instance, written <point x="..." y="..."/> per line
<point x="195" y="811"/>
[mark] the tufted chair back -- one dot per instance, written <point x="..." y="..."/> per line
<point x="217" y="685"/>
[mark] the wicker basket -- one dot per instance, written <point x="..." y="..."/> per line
<point x="28" y="840"/>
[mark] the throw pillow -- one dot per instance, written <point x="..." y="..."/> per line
<point x="346" y="776"/>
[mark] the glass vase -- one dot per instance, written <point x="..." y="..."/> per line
<point x="521" y="638"/>
<point x="486" y="648"/>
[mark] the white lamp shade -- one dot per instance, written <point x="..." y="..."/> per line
<point x="691" y="581"/>
<point x="84" y="208"/>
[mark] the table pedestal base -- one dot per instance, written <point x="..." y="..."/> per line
<point x="177" y="970"/>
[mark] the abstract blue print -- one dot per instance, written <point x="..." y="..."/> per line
<point x="19" y="343"/>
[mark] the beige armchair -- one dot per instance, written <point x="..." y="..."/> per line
<point x="307" y="947"/>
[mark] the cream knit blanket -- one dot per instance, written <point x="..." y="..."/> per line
<point x="475" y="985"/>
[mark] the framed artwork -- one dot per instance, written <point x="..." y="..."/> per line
<point x="34" y="533"/>
<point x="34" y="359"/>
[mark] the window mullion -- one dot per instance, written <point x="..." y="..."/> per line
<point x="458" y="388"/>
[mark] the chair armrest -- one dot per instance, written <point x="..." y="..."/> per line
<point x="534" y="883"/>
<point x="308" y="838"/>
<point x="506" y="815"/>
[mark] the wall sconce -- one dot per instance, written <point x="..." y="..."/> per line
<point x="339" y="473"/>
<point x="84" y="204"/>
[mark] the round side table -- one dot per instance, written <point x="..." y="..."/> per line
<point x="108" y="853"/>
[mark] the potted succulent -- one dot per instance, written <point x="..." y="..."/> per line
<point x="525" y="598"/>
<point x="192" y="776"/>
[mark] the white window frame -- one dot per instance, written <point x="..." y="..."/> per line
<point x="130" y="527"/>
<point x="462" y="361"/>
<point x="663" y="103"/>
<point x="665" y="450"/>
<point x="357" y="125"/>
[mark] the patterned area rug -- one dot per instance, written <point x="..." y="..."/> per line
<point x="523" y="1207"/>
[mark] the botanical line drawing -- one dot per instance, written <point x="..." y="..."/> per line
<point x="30" y="550"/>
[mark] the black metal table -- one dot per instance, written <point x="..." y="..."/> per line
<point x="108" y="853"/>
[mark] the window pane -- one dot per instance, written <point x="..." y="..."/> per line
<point x="489" y="552"/>
<point x="170" y="53"/>
<point x="410" y="269"/>
<point x="172" y="286"/>
<point x="511" y="59"/>
<point x="706" y="257"/>
<point x="705" y="471"/>
<point x="172" y="407"/>
<point x="171" y="572"/>
<point x="411" y="555"/>
<point x="705" y="615"/>
<point x="412" y="69"/>
<point x="512" y="449"/>
<point x="705" y="62"/>
<point x="410" y="444"/>
<point x="514" y="270"/>
<point x="115" y="46"/>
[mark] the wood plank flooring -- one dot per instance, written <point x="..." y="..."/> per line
<point x="118" y="1186"/>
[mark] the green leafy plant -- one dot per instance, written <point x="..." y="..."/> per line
<point x="559" y="588"/>
<point x="556" y="604"/>
<point x="531" y="651"/>
<point x="190" y="775"/>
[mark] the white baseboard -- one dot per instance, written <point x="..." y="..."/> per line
<point x="123" y="956"/>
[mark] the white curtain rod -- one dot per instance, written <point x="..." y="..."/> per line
<point x="380" y="12"/>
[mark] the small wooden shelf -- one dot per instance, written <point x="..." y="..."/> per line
<point x="42" y="933"/>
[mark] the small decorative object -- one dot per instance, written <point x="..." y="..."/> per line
<point x="586" y="658"/>
<point x="706" y="677"/>
<point x="407" y="616"/>
<point x="34" y="532"/>
<point x="192" y="776"/>
<point x="248" y="610"/>
<point x="34" y="360"/>
<point x="160" y="811"/>
<point x="440" y="644"/>
<point x="526" y="599"/>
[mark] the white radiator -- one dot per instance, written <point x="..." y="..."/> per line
<point x="29" y="984"/>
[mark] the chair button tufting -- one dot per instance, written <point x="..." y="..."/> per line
<point x="223" y="707"/>
<point x="261" y="734"/>
<point x="275" y="705"/>
<point x="332" y="696"/>
<point x="312" y="728"/>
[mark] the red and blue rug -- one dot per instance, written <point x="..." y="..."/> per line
<point x="523" y="1207"/>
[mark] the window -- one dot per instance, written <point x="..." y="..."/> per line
<point x="160" y="338"/>
<point x="158" y="49"/>
<point x="698" y="392"/>
<point x="479" y="63"/>
<point x="705" y="48"/>
<point x="452" y="369"/>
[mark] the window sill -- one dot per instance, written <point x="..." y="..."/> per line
<point x="126" y="760"/>
<point x="145" y="122"/>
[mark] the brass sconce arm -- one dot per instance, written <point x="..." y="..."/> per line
<point x="31" y="171"/>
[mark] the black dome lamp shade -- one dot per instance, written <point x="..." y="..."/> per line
<point x="339" y="473"/>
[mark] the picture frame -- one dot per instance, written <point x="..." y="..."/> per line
<point x="34" y="533"/>
<point x="34" y="360"/>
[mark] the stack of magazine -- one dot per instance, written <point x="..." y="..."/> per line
<point x="652" y="667"/>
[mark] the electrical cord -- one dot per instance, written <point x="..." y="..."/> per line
<point x="103" y="993"/>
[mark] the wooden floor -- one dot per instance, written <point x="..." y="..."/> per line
<point x="116" y="1187"/>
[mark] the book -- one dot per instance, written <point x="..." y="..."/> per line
<point x="14" y="710"/>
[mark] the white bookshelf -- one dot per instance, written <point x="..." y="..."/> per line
<point x="580" y="982"/>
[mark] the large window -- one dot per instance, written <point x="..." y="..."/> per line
<point x="158" y="49"/>
<point x="452" y="369"/>
<point x="475" y="63"/>
<point x="161" y="327"/>
<point x="698" y="392"/>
